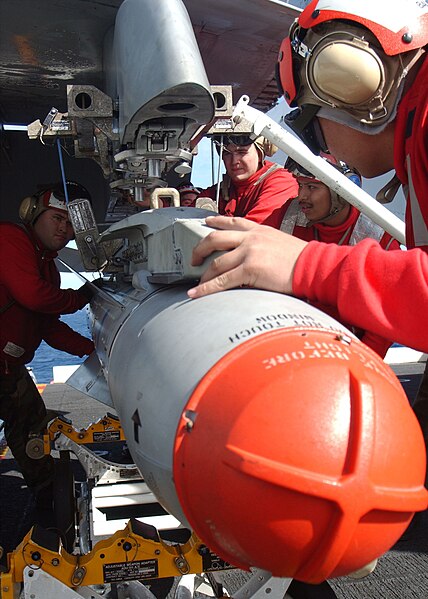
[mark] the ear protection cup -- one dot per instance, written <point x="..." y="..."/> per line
<point x="345" y="71"/>
<point x="269" y="148"/>
<point x="337" y="202"/>
<point x="354" y="177"/>
<point x="266" y="146"/>
<point x="29" y="209"/>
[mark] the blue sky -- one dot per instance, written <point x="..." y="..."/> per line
<point x="201" y="170"/>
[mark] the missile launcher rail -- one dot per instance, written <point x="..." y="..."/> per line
<point x="56" y="565"/>
<point x="135" y="553"/>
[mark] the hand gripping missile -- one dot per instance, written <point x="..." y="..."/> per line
<point x="257" y="420"/>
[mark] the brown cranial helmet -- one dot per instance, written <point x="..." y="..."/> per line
<point x="230" y="139"/>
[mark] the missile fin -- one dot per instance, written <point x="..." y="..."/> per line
<point x="89" y="379"/>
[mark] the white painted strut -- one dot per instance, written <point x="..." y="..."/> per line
<point x="325" y="172"/>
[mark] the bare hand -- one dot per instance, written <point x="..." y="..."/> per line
<point x="260" y="257"/>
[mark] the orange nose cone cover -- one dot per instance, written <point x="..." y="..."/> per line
<point x="298" y="453"/>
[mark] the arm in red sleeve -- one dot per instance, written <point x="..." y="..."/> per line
<point x="59" y="335"/>
<point x="385" y="293"/>
<point x="21" y="277"/>
<point x="275" y="192"/>
<point x="378" y="344"/>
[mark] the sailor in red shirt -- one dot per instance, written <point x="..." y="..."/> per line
<point x="252" y="186"/>
<point x="319" y="213"/>
<point x="370" y="110"/>
<point x="31" y="302"/>
<point x="188" y="194"/>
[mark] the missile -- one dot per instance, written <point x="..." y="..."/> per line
<point x="258" y="421"/>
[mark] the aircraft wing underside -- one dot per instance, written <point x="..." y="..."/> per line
<point x="46" y="45"/>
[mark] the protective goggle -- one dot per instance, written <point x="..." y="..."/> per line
<point x="297" y="169"/>
<point x="303" y="122"/>
<point x="222" y="141"/>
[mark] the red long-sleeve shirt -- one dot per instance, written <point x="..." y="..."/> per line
<point x="384" y="292"/>
<point x="31" y="300"/>
<point x="260" y="198"/>
<point x="342" y="235"/>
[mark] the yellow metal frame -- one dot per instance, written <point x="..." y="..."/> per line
<point x="105" y="426"/>
<point x="126" y="555"/>
<point x="134" y="553"/>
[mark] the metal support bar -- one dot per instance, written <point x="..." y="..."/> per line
<point x="134" y="553"/>
<point x="39" y="585"/>
<point x="95" y="466"/>
<point x="262" y="583"/>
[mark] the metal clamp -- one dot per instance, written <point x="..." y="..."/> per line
<point x="169" y="193"/>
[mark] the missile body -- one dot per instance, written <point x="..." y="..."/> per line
<point x="262" y="424"/>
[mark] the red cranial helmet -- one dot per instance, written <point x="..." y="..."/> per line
<point x="188" y="188"/>
<point x="351" y="57"/>
<point x="51" y="196"/>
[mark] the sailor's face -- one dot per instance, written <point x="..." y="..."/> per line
<point x="371" y="155"/>
<point x="53" y="228"/>
<point x="188" y="199"/>
<point x="241" y="162"/>
<point x="314" y="198"/>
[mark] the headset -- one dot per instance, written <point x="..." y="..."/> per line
<point x="31" y="208"/>
<point x="345" y="70"/>
<point x="343" y="65"/>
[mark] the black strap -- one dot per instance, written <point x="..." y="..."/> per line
<point x="7" y="306"/>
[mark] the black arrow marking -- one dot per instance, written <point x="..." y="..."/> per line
<point x="137" y="423"/>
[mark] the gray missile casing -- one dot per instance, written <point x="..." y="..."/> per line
<point x="156" y="345"/>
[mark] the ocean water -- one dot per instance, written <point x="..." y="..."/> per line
<point x="46" y="357"/>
